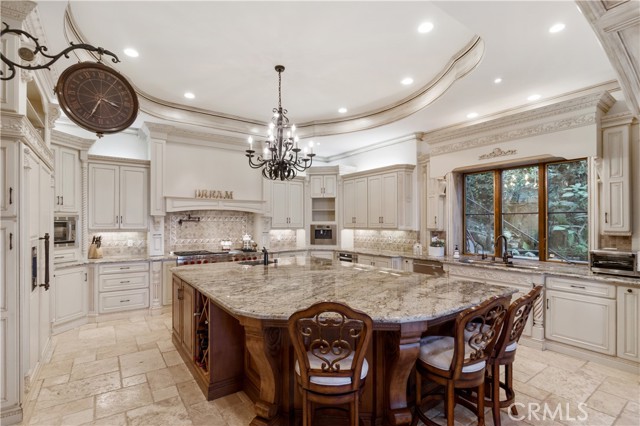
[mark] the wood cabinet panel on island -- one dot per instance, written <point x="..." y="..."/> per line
<point x="118" y="197"/>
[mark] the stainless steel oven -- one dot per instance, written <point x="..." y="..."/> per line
<point x="64" y="231"/>
<point x="323" y="235"/>
<point x="614" y="262"/>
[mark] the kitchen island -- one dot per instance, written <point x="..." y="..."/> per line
<point x="230" y="327"/>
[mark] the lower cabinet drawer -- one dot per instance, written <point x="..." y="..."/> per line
<point x="123" y="300"/>
<point x="124" y="281"/>
<point x="65" y="256"/>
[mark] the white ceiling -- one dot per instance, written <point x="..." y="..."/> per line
<point x="338" y="54"/>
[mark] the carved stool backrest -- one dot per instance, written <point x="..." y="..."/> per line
<point x="516" y="320"/>
<point x="334" y="338"/>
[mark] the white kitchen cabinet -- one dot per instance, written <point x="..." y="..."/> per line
<point x="581" y="313"/>
<point x="407" y="265"/>
<point x="118" y="197"/>
<point x="323" y="186"/>
<point x="167" y="278"/>
<point x="70" y="295"/>
<point x="67" y="197"/>
<point x="8" y="179"/>
<point x="61" y="256"/>
<point x="9" y="303"/>
<point x="287" y="204"/>
<point x="322" y="254"/>
<point x="382" y="194"/>
<point x="628" y="311"/>
<point x="122" y="286"/>
<point x="354" y="194"/>
<point x="377" y="261"/>
<point x="616" y="176"/>
<point x="436" y="192"/>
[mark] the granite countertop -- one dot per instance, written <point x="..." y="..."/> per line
<point x="276" y="291"/>
<point x="134" y="258"/>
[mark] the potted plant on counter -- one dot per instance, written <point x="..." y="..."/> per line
<point x="436" y="247"/>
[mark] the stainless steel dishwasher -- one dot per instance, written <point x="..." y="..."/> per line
<point x="428" y="267"/>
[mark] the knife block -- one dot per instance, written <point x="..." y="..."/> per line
<point x="94" y="252"/>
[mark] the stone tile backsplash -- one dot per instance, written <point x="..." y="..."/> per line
<point x="399" y="241"/>
<point x="622" y="243"/>
<point x="119" y="244"/>
<point x="283" y="239"/>
<point x="208" y="232"/>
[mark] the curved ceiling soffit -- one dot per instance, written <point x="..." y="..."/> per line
<point x="460" y="64"/>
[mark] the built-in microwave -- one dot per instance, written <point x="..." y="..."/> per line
<point x="323" y="235"/>
<point x="64" y="231"/>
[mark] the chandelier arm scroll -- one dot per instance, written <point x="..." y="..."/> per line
<point x="29" y="55"/>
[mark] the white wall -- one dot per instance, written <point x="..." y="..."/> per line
<point x="404" y="152"/>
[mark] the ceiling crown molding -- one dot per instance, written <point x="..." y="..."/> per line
<point x="17" y="126"/>
<point x="17" y="10"/>
<point x="62" y="138"/>
<point x="461" y="63"/>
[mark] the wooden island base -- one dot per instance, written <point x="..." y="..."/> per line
<point x="256" y="356"/>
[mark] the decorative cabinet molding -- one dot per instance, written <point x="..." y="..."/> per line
<point x="70" y="295"/>
<point x="67" y="197"/>
<point x="389" y="200"/>
<point x="354" y="202"/>
<point x="122" y="286"/>
<point x="628" y="300"/>
<point x="118" y="197"/>
<point x="8" y="179"/>
<point x="323" y="186"/>
<point x="587" y="322"/>
<point x="287" y="204"/>
<point x="616" y="181"/>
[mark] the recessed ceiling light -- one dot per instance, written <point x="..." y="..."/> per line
<point x="129" y="51"/>
<point x="497" y="80"/>
<point x="556" y="28"/>
<point x="472" y="115"/>
<point x="407" y="81"/>
<point x="189" y="95"/>
<point x="342" y="110"/>
<point x="425" y="27"/>
<point x="534" y="97"/>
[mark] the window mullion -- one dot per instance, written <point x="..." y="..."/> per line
<point x="542" y="212"/>
<point x="497" y="205"/>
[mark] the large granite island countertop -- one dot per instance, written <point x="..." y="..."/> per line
<point x="276" y="291"/>
<point x="254" y="303"/>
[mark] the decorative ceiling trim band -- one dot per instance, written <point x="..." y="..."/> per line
<point x="462" y="62"/>
<point x="18" y="127"/>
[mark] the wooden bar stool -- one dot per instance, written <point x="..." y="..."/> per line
<point x="504" y="353"/>
<point x="459" y="362"/>
<point x="330" y="340"/>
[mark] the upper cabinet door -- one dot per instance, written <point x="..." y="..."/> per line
<point x="8" y="179"/>
<point x="316" y="183"/>
<point x="104" y="199"/>
<point x="616" y="189"/>
<point x="374" y="195"/>
<point x="361" y="203"/>
<point x="134" y="197"/>
<point x="280" y="205"/>
<point x="296" y="205"/>
<point x="67" y="178"/>
<point x="389" y="200"/>
<point x="348" y="203"/>
<point x="330" y="184"/>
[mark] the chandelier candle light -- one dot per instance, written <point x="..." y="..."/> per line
<point x="280" y="158"/>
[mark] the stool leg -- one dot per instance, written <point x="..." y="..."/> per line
<point x="508" y="378"/>
<point x="450" y="403"/>
<point x="481" y="405"/>
<point x="355" y="416"/>
<point x="495" y="393"/>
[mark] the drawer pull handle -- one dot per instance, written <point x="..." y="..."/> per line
<point x="58" y="257"/>
<point x="125" y="300"/>
<point x="125" y="267"/>
<point x="125" y="282"/>
<point x="10" y="195"/>
<point x="547" y="304"/>
<point x="578" y="286"/>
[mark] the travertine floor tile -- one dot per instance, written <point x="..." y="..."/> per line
<point x="56" y="369"/>
<point x="168" y="412"/>
<point x="141" y="362"/>
<point x="172" y="358"/>
<point x="115" y="420"/>
<point x="162" y="378"/>
<point x="94" y="368"/>
<point x="121" y="400"/>
<point x="205" y="414"/>
<point x="574" y="386"/>
<point x="165" y="393"/>
<point x="134" y="380"/>
<point x="606" y="403"/>
<point x="118" y="349"/>
<point x="55" y="380"/>
<point x="190" y="393"/>
<point x="621" y="388"/>
<point x="78" y="418"/>
<point x="54" y="414"/>
<point x="78" y="389"/>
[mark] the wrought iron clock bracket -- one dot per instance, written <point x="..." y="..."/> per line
<point x="28" y="54"/>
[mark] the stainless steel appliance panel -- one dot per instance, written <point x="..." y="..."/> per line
<point x="614" y="262"/>
<point x="428" y="267"/>
<point x="323" y="235"/>
<point x="64" y="231"/>
<point x="348" y="257"/>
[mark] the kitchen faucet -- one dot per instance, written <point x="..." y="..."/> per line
<point x="483" y="254"/>
<point x="504" y="250"/>
<point x="266" y="256"/>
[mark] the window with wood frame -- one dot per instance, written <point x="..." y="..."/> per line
<point x="540" y="208"/>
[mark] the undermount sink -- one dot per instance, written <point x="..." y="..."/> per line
<point x="254" y="262"/>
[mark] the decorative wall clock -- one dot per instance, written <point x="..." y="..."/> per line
<point x="97" y="98"/>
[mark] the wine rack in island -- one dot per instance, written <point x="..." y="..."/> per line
<point x="198" y="327"/>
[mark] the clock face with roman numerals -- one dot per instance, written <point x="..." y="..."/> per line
<point x="97" y="98"/>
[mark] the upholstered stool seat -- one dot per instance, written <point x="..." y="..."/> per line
<point x="315" y="363"/>
<point x="460" y="361"/>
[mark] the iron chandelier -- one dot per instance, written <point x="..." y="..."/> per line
<point x="281" y="157"/>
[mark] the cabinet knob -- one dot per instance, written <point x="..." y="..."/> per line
<point x="629" y="290"/>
